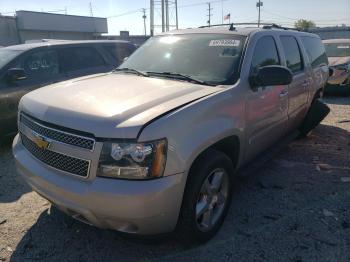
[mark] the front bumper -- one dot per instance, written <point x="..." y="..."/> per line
<point x="139" y="207"/>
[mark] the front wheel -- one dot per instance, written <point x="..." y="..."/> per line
<point x="207" y="197"/>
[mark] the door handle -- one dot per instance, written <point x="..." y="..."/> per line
<point x="283" y="94"/>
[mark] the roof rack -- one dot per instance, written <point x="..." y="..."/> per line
<point x="271" y="26"/>
<point x="264" y="26"/>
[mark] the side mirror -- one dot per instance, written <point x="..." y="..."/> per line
<point x="15" y="74"/>
<point x="125" y="58"/>
<point x="331" y="71"/>
<point x="271" y="76"/>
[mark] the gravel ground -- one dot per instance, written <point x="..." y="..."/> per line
<point x="294" y="208"/>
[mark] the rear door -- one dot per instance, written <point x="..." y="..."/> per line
<point x="318" y="63"/>
<point x="79" y="61"/>
<point x="266" y="106"/>
<point x="299" y="89"/>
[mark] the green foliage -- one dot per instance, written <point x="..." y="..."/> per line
<point x="303" y="24"/>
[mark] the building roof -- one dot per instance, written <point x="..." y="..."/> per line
<point x="24" y="47"/>
<point x="29" y="20"/>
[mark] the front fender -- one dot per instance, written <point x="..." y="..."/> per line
<point x="192" y="129"/>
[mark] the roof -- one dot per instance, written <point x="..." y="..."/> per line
<point x="336" y="41"/>
<point x="238" y="30"/>
<point x="24" y="47"/>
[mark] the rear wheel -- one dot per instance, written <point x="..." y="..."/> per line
<point x="207" y="197"/>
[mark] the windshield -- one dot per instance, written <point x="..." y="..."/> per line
<point x="338" y="50"/>
<point x="7" y="55"/>
<point x="211" y="58"/>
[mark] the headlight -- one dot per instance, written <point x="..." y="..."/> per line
<point x="133" y="160"/>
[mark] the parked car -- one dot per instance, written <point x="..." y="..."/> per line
<point x="338" y="52"/>
<point x="26" y="67"/>
<point x="156" y="145"/>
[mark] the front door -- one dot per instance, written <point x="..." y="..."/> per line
<point x="41" y="68"/>
<point x="266" y="106"/>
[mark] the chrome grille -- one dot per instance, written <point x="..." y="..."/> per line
<point x="60" y="136"/>
<point x="56" y="160"/>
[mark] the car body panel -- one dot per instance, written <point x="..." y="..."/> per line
<point x="190" y="116"/>
<point x="100" y="107"/>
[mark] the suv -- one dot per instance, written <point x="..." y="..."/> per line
<point x="155" y="146"/>
<point x="338" y="52"/>
<point x="29" y="66"/>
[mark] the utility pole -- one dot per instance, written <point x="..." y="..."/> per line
<point x="222" y="11"/>
<point x="209" y="13"/>
<point x="91" y="12"/>
<point x="259" y="5"/>
<point x="167" y="15"/>
<point x="144" y="19"/>
<point x="177" y="15"/>
<point x="151" y="14"/>
<point x="163" y="17"/>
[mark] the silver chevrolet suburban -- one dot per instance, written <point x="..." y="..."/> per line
<point x="154" y="146"/>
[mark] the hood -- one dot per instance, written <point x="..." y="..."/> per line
<point x="333" y="61"/>
<point x="110" y="105"/>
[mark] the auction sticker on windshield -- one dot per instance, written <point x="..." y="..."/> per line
<point x="225" y="42"/>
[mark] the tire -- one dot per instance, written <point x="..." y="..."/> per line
<point x="192" y="228"/>
<point x="317" y="112"/>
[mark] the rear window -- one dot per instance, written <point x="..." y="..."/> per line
<point x="315" y="51"/>
<point x="338" y="50"/>
<point x="292" y="53"/>
<point x="78" y="58"/>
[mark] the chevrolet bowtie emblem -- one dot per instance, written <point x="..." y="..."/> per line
<point x="40" y="141"/>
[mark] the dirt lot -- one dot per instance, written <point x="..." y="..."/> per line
<point x="294" y="208"/>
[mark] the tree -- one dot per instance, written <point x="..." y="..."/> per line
<point x="303" y="24"/>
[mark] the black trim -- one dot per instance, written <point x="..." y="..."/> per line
<point x="60" y="128"/>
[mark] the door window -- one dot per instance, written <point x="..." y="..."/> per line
<point x="292" y="53"/>
<point x="40" y="65"/>
<point x="78" y="58"/>
<point x="265" y="53"/>
<point x="315" y="51"/>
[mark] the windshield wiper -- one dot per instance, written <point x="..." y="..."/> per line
<point x="130" y="70"/>
<point x="180" y="76"/>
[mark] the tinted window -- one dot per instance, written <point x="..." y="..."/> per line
<point x="337" y="50"/>
<point x="7" y="55"/>
<point x="265" y="53"/>
<point x="315" y="51"/>
<point x="119" y="52"/>
<point x="292" y="53"/>
<point x="77" y="58"/>
<point x="40" y="64"/>
<point x="213" y="58"/>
